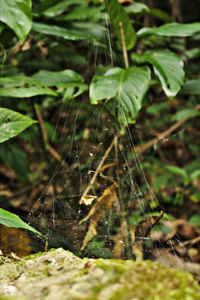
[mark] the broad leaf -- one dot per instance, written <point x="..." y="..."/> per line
<point x="137" y="8"/>
<point x="195" y="220"/>
<point x="191" y="87"/>
<point x="171" y="29"/>
<point x="12" y="123"/>
<point x="128" y="86"/>
<point x="17" y="15"/>
<point x="11" y="220"/>
<point x="167" y="66"/>
<point x="84" y="13"/>
<point x="118" y="14"/>
<point x="22" y="87"/>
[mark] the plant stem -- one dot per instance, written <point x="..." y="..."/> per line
<point x="125" y="55"/>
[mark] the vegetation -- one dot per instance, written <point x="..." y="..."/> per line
<point x="99" y="103"/>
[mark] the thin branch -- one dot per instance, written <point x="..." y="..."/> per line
<point x="48" y="147"/>
<point x="92" y="181"/>
<point x="125" y="55"/>
<point x="141" y="149"/>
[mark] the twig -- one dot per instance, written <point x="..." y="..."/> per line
<point x="141" y="149"/>
<point x="48" y="147"/>
<point x="125" y="55"/>
<point x="97" y="170"/>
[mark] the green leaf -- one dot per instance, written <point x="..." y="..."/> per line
<point x="167" y="66"/>
<point x="137" y="8"/>
<point x="78" y="31"/>
<point x="17" y="15"/>
<point x="84" y="13"/>
<point x="185" y="114"/>
<point x="191" y="87"/>
<point x="67" y="81"/>
<point x="177" y="170"/>
<point x="11" y="220"/>
<point x="195" y="220"/>
<point x="16" y="159"/>
<point x="54" y="30"/>
<point x="128" y="86"/>
<point x="62" y="6"/>
<point x="49" y="78"/>
<point x="12" y="123"/>
<point x="118" y="14"/>
<point x="22" y="87"/>
<point x="171" y="29"/>
<point x="161" y="15"/>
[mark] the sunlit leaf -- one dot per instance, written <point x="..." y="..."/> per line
<point x="17" y="15"/>
<point x="171" y="29"/>
<point x="127" y="86"/>
<point x="12" y="123"/>
<point x="118" y="14"/>
<point x="11" y="220"/>
<point x="167" y="66"/>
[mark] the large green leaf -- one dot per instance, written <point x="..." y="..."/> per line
<point x="11" y="220"/>
<point x="17" y="15"/>
<point x="67" y="81"/>
<point x="171" y="29"/>
<point x="22" y="87"/>
<point x="15" y="157"/>
<point x="127" y="86"/>
<point x="191" y="87"/>
<point x="167" y="66"/>
<point x="12" y="123"/>
<point x="118" y="14"/>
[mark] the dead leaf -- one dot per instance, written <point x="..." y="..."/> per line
<point x="103" y="203"/>
<point x="14" y="240"/>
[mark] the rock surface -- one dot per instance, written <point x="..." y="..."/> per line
<point x="60" y="275"/>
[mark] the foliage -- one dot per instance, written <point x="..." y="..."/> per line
<point x="51" y="67"/>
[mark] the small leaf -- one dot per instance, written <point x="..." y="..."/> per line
<point x="17" y="15"/>
<point x="60" y="7"/>
<point x="171" y="29"/>
<point x="118" y="14"/>
<point x="128" y="86"/>
<point x="195" y="220"/>
<point x="12" y="123"/>
<point x="185" y="114"/>
<point x="137" y="8"/>
<point x="167" y="66"/>
<point x="178" y="171"/>
<point x="191" y="87"/>
<point x="11" y="220"/>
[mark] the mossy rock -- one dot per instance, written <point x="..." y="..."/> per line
<point x="60" y="275"/>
